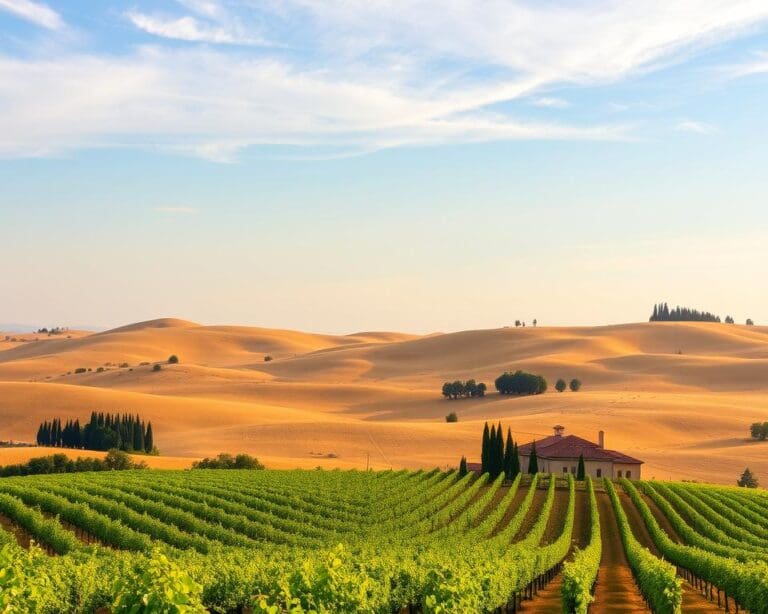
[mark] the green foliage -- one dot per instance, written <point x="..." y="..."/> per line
<point x="662" y="313"/>
<point x="580" y="470"/>
<point x="158" y="586"/>
<point x="580" y="574"/>
<point x="747" y="479"/>
<point x="533" y="460"/>
<point x="268" y="358"/>
<point x="656" y="578"/>
<point x="173" y="359"/>
<point x="759" y="430"/>
<point x="560" y="385"/>
<point x="520" y="383"/>
<point x="157" y="367"/>
<point x="463" y="467"/>
<point x="452" y="417"/>
<point x="459" y="389"/>
<point x="575" y="385"/>
<point x="227" y="461"/>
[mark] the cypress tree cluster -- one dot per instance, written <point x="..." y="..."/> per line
<point x="498" y="457"/>
<point x="662" y="313"/>
<point x="103" y="432"/>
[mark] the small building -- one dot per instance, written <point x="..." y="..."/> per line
<point x="560" y="453"/>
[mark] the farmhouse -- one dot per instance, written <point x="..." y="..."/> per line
<point x="560" y="453"/>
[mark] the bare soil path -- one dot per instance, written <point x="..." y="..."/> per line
<point x="615" y="591"/>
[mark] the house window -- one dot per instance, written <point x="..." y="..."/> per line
<point x="629" y="473"/>
<point x="599" y="473"/>
<point x="565" y="469"/>
<point x="619" y="472"/>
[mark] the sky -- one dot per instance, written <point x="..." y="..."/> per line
<point x="345" y="165"/>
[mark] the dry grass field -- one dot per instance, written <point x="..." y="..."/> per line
<point x="679" y="396"/>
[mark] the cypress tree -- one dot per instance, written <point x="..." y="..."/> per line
<point x="508" y="452"/>
<point x="484" y="453"/>
<point x="499" y="452"/>
<point x="463" y="467"/>
<point x="515" y="462"/>
<point x="492" y="451"/>
<point x="580" y="470"/>
<point x="533" y="463"/>
<point x="148" y="439"/>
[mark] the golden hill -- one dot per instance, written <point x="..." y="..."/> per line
<point x="680" y="396"/>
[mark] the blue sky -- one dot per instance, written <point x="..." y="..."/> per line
<point x="341" y="166"/>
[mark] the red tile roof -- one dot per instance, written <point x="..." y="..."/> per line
<point x="570" y="446"/>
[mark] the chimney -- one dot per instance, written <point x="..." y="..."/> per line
<point x="601" y="439"/>
<point x="558" y="430"/>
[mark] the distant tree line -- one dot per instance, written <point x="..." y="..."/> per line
<point x="227" y="461"/>
<point x="115" y="460"/>
<point x="520" y="382"/>
<point x="662" y="313"/>
<point x="103" y="432"/>
<point x="759" y="430"/>
<point x="459" y="389"/>
<point x="496" y="457"/>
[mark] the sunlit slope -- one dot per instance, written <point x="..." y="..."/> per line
<point x="680" y="396"/>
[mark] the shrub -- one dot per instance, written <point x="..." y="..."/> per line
<point x="267" y="358"/>
<point x="575" y="384"/>
<point x="520" y="383"/>
<point x="81" y="370"/>
<point x="100" y="370"/>
<point x="750" y="322"/>
<point x="124" y="365"/>
<point x="227" y="461"/>
<point x="560" y="385"/>
<point x="143" y="364"/>
<point x="173" y="359"/>
<point x="452" y="417"/>
<point x="157" y="367"/>
<point x="759" y="430"/>
<point x="747" y="479"/>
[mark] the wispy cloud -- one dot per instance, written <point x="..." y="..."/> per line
<point x="349" y="76"/>
<point x="175" y="210"/>
<point x="694" y="127"/>
<point x="550" y="102"/>
<point x="757" y="64"/>
<point x="188" y="28"/>
<point x="35" y="12"/>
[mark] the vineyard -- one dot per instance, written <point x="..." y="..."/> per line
<point x="395" y="541"/>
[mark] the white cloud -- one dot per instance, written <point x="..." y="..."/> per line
<point x="178" y="210"/>
<point x="351" y="76"/>
<point x="758" y="64"/>
<point x="550" y="102"/>
<point x="694" y="127"/>
<point x="188" y="28"/>
<point x="35" y="12"/>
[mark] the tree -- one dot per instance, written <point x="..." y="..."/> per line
<point x="759" y="430"/>
<point x="575" y="384"/>
<point x="580" y="469"/>
<point x="750" y="322"/>
<point x="560" y="385"/>
<point x="484" y="453"/>
<point x="173" y="359"/>
<point x="481" y="388"/>
<point x="509" y="451"/>
<point x="157" y="367"/>
<point x="533" y="462"/>
<point x="498" y="466"/>
<point x="463" y="467"/>
<point x="747" y="480"/>
<point x="492" y="451"/>
<point x="515" y="462"/>
<point x="448" y="390"/>
<point x="517" y="323"/>
<point x="149" y="444"/>
<point x="452" y="417"/>
<point x="520" y="383"/>
<point x="535" y="322"/>
<point x="267" y="358"/>
<point x="729" y="320"/>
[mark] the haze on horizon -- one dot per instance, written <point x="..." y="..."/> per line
<point x="343" y="166"/>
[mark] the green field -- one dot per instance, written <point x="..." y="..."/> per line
<point x="350" y="541"/>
